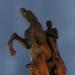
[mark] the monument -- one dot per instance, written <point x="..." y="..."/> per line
<point x="46" y="59"/>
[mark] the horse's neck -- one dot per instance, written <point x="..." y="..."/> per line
<point x="35" y="51"/>
<point x="36" y="25"/>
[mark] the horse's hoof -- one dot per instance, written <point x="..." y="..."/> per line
<point x="12" y="52"/>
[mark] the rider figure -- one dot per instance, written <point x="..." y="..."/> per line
<point x="51" y="37"/>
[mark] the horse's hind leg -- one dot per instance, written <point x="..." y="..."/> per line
<point x="34" y="71"/>
<point x="60" y="68"/>
<point x="42" y="66"/>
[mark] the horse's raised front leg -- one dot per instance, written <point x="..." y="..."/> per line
<point x="20" y="40"/>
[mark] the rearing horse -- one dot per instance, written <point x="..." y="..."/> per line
<point x="34" y="31"/>
<point x="35" y="40"/>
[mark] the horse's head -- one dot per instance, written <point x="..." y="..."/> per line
<point x="31" y="18"/>
<point x="28" y="15"/>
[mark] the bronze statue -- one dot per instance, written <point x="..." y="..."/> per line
<point x="36" y="41"/>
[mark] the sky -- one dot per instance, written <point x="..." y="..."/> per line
<point x="60" y="12"/>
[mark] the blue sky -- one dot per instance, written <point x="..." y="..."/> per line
<point x="62" y="14"/>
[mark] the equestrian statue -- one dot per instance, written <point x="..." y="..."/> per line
<point x="45" y="56"/>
